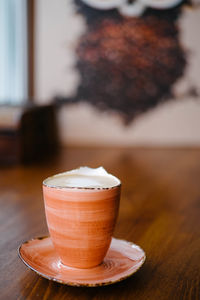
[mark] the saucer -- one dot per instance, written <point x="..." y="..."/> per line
<point x="121" y="261"/>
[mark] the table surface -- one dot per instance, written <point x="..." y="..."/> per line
<point x="159" y="210"/>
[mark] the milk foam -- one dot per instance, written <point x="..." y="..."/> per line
<point x="84" y="177"/>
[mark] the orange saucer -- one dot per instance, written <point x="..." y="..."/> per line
<point x="121" y="261"/>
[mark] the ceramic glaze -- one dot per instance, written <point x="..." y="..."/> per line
<point x="81" y="222"/>
<point x="122" y="260"/>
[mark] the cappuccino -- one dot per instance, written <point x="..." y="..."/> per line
<point x="81" y="208"/>
<point x="84" y="177"/>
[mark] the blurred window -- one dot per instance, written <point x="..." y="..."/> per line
<point x="13" y="51"/>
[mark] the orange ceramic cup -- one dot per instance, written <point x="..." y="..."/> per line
<point x="81" y="222"/>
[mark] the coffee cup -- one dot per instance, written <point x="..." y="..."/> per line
<point x="81" y="209"/>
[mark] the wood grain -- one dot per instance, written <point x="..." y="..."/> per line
<point x="160" y="211"/>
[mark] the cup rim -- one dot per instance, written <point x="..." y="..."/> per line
<point x="44" y="183"/>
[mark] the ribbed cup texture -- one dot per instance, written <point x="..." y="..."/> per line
<point x="81" y="223"/>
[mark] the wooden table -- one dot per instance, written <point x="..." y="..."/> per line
<point x="160" y="211"/>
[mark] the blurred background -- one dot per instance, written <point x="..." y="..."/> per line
<point x="94" y="73"/>
<point x="112" y="83"/>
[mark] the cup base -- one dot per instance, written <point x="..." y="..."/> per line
<point x="67" y="266"/>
